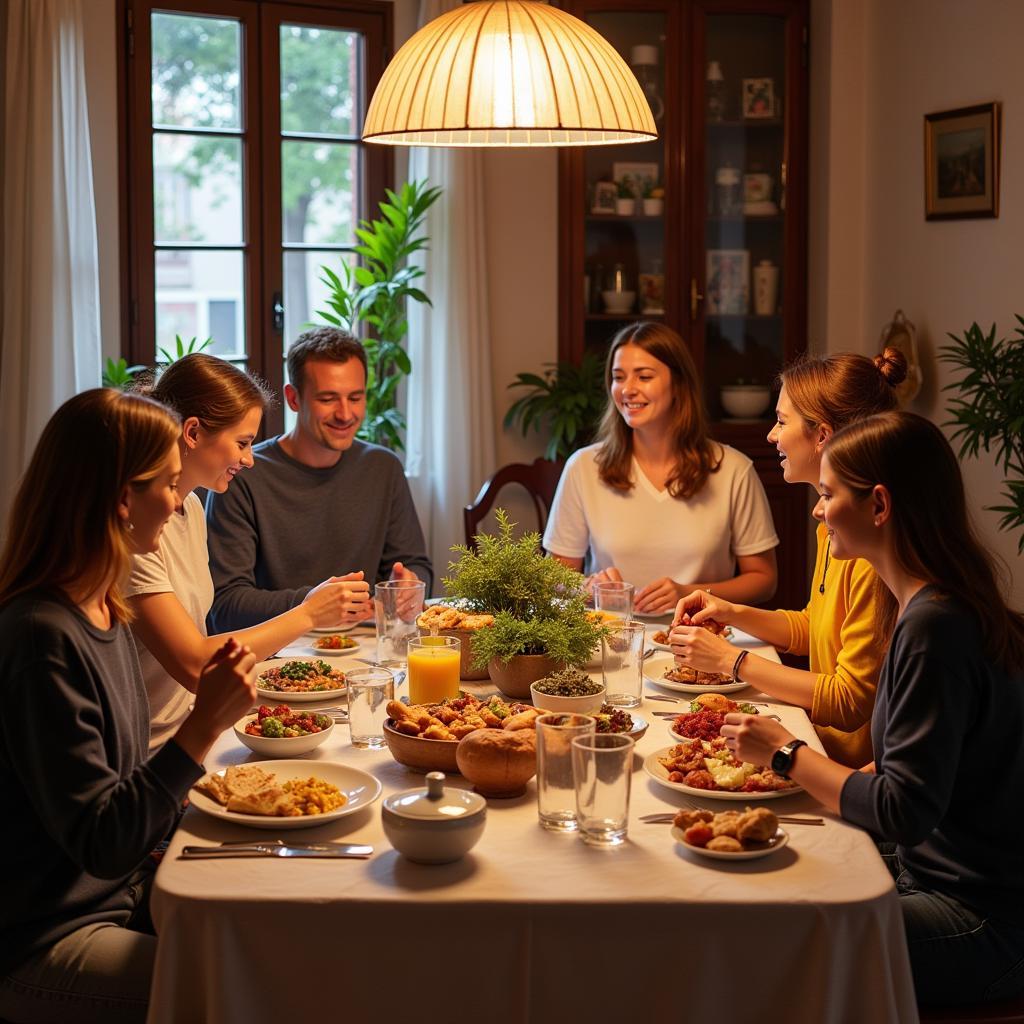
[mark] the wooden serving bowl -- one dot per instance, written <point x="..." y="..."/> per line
<point x="419" y="754"/>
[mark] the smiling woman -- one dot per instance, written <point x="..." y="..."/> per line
<point x="656" y="501"/>
<point x="170" y="589"/>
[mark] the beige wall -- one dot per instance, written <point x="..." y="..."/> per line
<point x="886" y="66"/>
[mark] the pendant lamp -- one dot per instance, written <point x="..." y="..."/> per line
<point x="508" y="73"/>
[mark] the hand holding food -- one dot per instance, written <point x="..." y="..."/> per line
<point x="659" y="597"/>
<point x="339" y="599"/>
<point x="699" y="647"/>
<point x="226" y="687"/>
<point x="699" y="606"/>
<point x="754" y="738"/>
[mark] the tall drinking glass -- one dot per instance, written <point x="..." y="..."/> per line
<point x="615" y="598"/>
<point x="369" y="690"/>
<point x="622" y="662"/>
<point x="433" y="669"/>
<point x="556" y="791"/>
<point x="602" y="768"/>
<point x="396" y="604"/>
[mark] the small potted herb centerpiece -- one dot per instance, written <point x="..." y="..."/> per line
<point x="540" y="615"/>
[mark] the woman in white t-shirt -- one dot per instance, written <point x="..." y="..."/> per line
<point x="656" y="501"/>
<point x="170" y="591"/>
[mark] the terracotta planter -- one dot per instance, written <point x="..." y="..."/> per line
<point x="465" y="638"/>
<point x="515" y="677"/>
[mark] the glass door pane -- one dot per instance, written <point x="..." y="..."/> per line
<point x="624" y="218"/>
<point x="745" y="210"/>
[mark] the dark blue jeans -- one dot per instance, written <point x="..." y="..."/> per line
<point x="957" y="956"/>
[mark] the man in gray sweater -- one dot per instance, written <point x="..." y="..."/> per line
<point x="317" y="502"/>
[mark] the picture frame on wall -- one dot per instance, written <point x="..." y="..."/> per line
<point x="603" y="199"/>
<point x="727" y="282"/>
<point x="961" y="162"/>
<point x="758" y="97"/>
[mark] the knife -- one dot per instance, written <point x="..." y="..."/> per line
<point x="276" y="849"/>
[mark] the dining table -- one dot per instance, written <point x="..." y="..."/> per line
<point x="532" y="926"/>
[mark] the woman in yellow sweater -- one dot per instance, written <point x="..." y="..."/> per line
<point x="818" y="397"/>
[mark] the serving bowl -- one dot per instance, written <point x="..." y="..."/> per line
<point x="745" y="401"/>
<point x="283" y="747"/>
<point x="421" y="754"/>
<point x="436" y="824"/>
<point x="567" y="705"/>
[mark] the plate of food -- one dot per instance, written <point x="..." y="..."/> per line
<point x="301" y="679"/>
<point x="661" y="670"/>
<point x="707" y="768"/>
<point x="333" y="645"/>
<point x="619" y="720"/>
<point x="284" y="794"/>
<point x="730" y="835"/>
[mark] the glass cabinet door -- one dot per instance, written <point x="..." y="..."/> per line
<point x="626" y="195"/>
<point x="739" y="213"/>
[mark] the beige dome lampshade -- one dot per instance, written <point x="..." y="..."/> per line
<point x="508" y="73"/>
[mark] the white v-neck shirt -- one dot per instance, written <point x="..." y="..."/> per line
<point x="647" y="534"/>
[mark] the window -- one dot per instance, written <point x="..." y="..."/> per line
<point x="244" y="168"/>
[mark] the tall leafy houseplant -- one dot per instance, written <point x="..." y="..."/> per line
<point x="118" y="374"/>
<point x="988" y="410"/>
<point x="375" y="293"/>
<point x="538" y="603"/>
<point x="567" y="401"/>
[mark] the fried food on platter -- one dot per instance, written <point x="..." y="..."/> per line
<point x="693" y="677"/>
<point x="456" y="717"/>
<point x="725" y="844"/>
<point x="442" y="616"/>
<point x="729" y="831"/>
<point x="709" y="764"/>
<point x="757" y="825"/>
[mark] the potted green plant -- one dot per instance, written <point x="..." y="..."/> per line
<point x="567" y="401"/>
<point x="540" y="615"/>
<point x="653" y="198"/>
<point x="375" y="293"/>
<point x="988" y="410"/>
<point x="625" y="203"/>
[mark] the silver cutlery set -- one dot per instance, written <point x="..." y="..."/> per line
<point x="276" y="848"/>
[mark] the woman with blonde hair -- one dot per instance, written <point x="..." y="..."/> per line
<point x="170" y="590"/>
<point x="89" y="800"/>
<point x="656" y="501"/>
<point x="819" y="396"/>
<point x="943" y="801"/>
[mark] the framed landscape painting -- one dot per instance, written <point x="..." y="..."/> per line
<point x="961" y="163"/>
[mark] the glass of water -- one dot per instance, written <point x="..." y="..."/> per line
<point x="556" y="792"/>
<point x="615" y="599"/>
<point x="369" y="690"/>
<point x="396" y="605"/>
<point x="622" y="663"/>
<point x="602" y="768"/>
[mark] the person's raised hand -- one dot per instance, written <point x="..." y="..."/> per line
<point x="700" y="605"/>
<point x="340" y="599"/>
<point x="701" y="649"/>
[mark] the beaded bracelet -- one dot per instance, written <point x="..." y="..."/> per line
<point x="736" y="666"/>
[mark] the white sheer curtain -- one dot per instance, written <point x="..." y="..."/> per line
<point x="450" y="446"/>
<point x="51" y="327"/>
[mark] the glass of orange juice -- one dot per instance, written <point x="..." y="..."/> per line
<point x="433" y="669"/>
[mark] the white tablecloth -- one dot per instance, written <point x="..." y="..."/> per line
<point x="532" y="926"/>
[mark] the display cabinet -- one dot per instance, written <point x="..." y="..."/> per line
<point x="706" y="227"/>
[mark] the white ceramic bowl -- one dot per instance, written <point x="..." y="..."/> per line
<point x="286" y="746"/>
<point x="567" y="705"/>
<point x="434" y="825"/>
<point x="746" y="401"/>
<point x="618" y="302"/>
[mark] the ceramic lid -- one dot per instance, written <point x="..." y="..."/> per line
<point x="436" y="803"/>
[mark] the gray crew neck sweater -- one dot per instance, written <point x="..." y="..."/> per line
<point x="282" y="527"/>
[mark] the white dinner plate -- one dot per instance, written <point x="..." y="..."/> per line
<point x="345" y="627"/>
<point x="657" y="771"/>
<point x="776" y="843"/>
<point x="316" y="652"/>
<point x="361" y="788"/>
<point x="654" y="672"/>
<point x="302" y="696"/>
<point x="655" y="616"/>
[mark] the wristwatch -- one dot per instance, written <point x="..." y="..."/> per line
<point x="782" y="759"/>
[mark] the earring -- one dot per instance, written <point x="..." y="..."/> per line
<point x="131" y="526"/>
<point x="878" y="520"/>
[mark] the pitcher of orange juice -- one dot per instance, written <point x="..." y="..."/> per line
<point x="433" y="669"/>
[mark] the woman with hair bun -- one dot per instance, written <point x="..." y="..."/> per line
<point x="656" y="501"/>
<point x="944" y="799"/>
<point x="819" y="396"/>
<point x="170" y="590"/>
<point x="88" y="801"/>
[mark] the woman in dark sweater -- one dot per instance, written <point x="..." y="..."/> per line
<point x="945" y="794"/>
<point x="74" y="770"/>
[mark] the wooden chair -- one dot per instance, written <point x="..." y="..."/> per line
<point x="1010" y="1011"/>
<point x="539" y="479"/>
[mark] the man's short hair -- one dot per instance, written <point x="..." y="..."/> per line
<point x="328" y="343"/>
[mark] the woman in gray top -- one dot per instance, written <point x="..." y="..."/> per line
<point x="944" y="794"/>
<point x="74" y="770"/>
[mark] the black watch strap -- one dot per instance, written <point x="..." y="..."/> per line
<point x="782" y="759"/>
